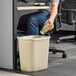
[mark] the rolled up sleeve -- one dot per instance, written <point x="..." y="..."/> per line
<point x="54" y="0"/>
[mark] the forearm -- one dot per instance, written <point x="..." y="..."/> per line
<point x="53" y="13"/>
<point x="54" y="10"/>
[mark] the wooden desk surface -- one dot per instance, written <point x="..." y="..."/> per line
<point x="31" y="7"/>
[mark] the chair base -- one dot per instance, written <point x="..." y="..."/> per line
<point x="54" y="51"/>
<point x="66" y="38"/>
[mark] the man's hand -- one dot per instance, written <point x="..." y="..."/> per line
<point x="49" y="25"/>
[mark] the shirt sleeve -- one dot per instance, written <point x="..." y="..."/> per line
<point x="54" y="0"/>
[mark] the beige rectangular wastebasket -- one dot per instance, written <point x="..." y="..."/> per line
<point x="33" y="52"/>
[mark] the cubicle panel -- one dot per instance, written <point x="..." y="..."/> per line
<point x="6" y="34"/>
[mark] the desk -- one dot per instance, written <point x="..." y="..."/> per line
<point x="31" y="7"/>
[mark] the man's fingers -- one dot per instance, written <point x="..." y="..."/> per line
<point x="51" y="27"/>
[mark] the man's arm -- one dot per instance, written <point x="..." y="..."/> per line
<point x="54" y="10"/>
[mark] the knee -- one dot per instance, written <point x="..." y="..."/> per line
<point x="31" y="19"/>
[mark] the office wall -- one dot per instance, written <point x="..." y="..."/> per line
<point x="6" y="52"/>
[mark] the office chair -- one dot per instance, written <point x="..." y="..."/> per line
<point x="68" y="11"/>
<point x="57" y="24"/>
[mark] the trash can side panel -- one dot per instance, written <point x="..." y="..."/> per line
<point x="41" y="49"/>
<point x="25" y="53"/>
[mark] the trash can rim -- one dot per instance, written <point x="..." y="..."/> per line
<point x="35" y="37"/>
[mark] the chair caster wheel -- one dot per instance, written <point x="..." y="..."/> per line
<point x="54" y="52"/>
<point x="64" y="55"/>
<point x="58" y="41"/>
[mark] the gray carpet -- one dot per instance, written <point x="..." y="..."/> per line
<point x="63" y="45"/>
<point x="68" y="47"/>
<point x="58" y="66"/>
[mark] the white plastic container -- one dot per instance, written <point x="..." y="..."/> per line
<point x="33" y="52"/>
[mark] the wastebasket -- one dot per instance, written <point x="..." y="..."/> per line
<point x="33" y="52"/>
